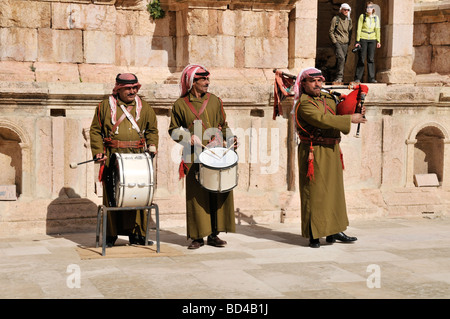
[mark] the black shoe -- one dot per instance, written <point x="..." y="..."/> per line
<point x="330" y="239"/>
<point x="341" y="237"/>
<point x="373" y="81"/>
<point x="110" y="240"/>
<point x="196" y="243"/>
<point x="314" y="243"/>
<point x="215" y="241"/>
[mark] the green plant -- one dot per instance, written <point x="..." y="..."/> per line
<point x="155" y="10"/>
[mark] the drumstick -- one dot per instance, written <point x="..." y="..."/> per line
<point x="228" y="149"/>
<point x="74" y="165"/>
<point x="210" y="150"/>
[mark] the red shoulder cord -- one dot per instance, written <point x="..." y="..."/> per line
<point x="310" y="171"/>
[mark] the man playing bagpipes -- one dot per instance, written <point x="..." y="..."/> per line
<point x="319" y="126"/>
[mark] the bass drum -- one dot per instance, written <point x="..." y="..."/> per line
<point x="133" y="179"/>
<point x="218" y="169"/>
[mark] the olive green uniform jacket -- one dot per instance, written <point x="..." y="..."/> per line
<point x="122" y="223"/>
<point x="201" y="203"/>
<point x="323" y="208"/>
<point x="340" y="29"/>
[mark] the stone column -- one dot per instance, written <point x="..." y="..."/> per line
<point x="397" y="39"/>
<point x="302" y="35"/>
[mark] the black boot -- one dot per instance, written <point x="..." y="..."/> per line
<point x="314" y="243"/>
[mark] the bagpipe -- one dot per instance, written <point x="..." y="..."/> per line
<point x="345" y="103"/>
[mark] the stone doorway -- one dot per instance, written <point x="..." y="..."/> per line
<point x="10" y="159"/>
<point x="429" y="152"/>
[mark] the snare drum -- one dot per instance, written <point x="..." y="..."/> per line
<point x="218" y="169"/>
<point x="134" y="179"/>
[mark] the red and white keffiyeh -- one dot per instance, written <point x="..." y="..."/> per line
<point x="187" y="77"/>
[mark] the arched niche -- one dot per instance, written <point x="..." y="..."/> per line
<point x="15" y="157"/>
<point x="426" y="148"/>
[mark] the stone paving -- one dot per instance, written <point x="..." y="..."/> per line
<point x="401" y="258"/>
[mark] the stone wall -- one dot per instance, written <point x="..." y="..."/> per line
<point x="432" y="37"/>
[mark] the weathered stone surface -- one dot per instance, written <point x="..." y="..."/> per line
<point x="25" y="14"/>
<point x="86" y="17"/>
<point x="53" y="46"/>
<point x="18" y="44"/>
<point x="422" y="59"/>
<point x="440" y="62"/>
<point x="440" y="34"/>
<point x="99" y="47"/>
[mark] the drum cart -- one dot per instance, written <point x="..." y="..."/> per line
<point x="103" y="212"/>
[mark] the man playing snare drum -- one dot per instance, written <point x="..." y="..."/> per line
<point x="112" y="132"/>
<point x="198" y="121"/>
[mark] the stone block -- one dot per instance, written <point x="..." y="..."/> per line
<point x="424" y="180"/>
<point x="99" y="47"/>
<point x="145" y="51"/>
<point x="99" y="73"/>
<point x="12" y="71"/>
<point x="440" y="62"/>
<point x="251" y="24"/>
<point x="130" y="4"/>
<point x="278" y="24"/>
<point x="84" y="17"/>
<point x="198" y="22"/>
<point x="304" y="41"/>
<point x="8" y="192"/>
<point x="421" y="34"/>
<point x="440" y="33"/>
<point x="18" y="44"/>
<point x="212" y="51"/>
<point x="422" y="59"/>
<point x="56" y="72"/>
<point x="25" y="14"/>
<point x="60" y="45"/>
<point x="266" y="52"/>
<point x="226" y="22"/>
<point x="139" y="23"/>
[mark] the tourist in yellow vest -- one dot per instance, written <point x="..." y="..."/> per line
<point x="367" y="39"/>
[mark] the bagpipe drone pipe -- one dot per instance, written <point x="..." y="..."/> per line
<point x="346" y="103"/>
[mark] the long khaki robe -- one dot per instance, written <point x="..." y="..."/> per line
<point x="323" y="208"/>
<point x="200" y="203"/>
<point x="123" y="222"/>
